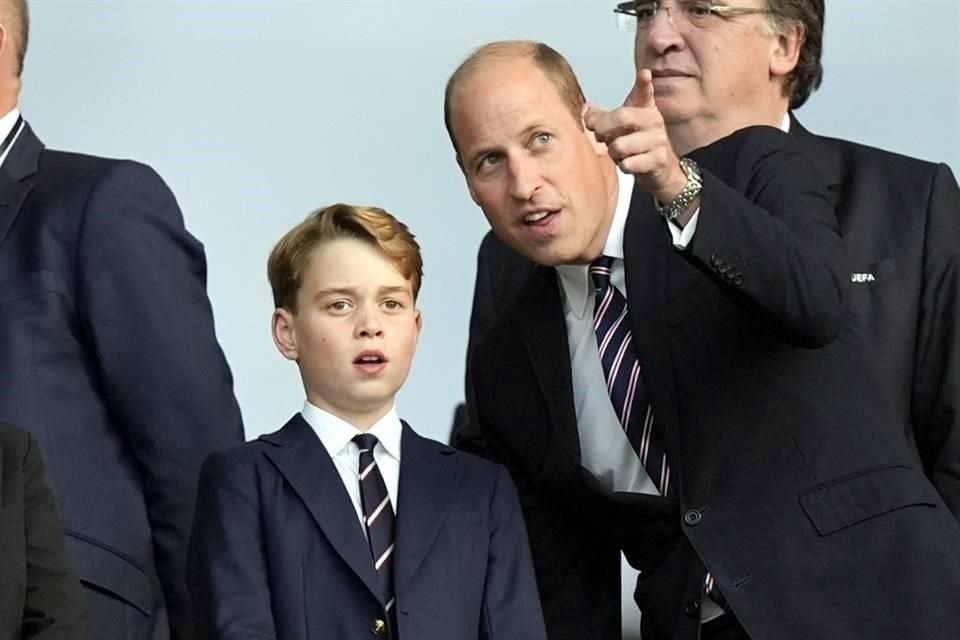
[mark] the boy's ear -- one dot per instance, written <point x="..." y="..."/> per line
<point x="419" y="317"/>
<point x="284" y="335"/>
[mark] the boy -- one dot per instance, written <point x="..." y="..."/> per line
<point x="295" y="535"/>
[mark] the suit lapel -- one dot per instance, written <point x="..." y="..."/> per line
<point x="544" y="334"/>
<point x="646" y="256"/>
<point x="20" y="163"/>
<point x="304" y="462"/>
<point x="429" y="483"/>
<point x="825" y="157"/>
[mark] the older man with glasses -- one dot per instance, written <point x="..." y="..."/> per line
<point x="706" y="70"/>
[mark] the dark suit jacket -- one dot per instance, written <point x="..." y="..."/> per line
<point x="797" y="489"/>
<point x="108" y="356"/>
<point x="900" y="220"/>
<point x="40" y="597"/>
<point x="278" y="551"/>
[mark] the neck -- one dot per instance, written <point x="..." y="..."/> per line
<point x="611" y="180"/>
<point x="685" y="136"/>
<point x="361" y="418"/>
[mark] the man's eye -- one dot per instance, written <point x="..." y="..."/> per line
<point x="646" y="12"/>
<point x="392" y="304"/>
<point x="339" y="305"/>
<point x="542" y="138"/>
<point x="700" y="9"/>
<point x="489" y="160"/>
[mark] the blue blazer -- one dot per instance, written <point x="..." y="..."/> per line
<point x="108" y="357"/>
<point x="278" y="551"/>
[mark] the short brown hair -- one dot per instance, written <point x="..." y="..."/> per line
<point x="553" y="65"/>
<point x="808" y="74"/>
<point x="16" y="18"/>
<point x="291" y="255"/>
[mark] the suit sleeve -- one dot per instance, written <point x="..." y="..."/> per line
<point x="229" y="590"/>
<point x="768" y="233"/>
<point x="936" y="389"/>
<point x="142" y="297"/>
<point x="55" y="608"/>
<point x="501" y="273"/>
<point x="511" y="604"/>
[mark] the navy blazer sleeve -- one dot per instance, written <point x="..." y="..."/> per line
<point x="767" y="231"/>
<point x="511" y="605"/>
<point x="229" y="586"/>
<point x="936" y="389"/>
<point x="142" y="297"/>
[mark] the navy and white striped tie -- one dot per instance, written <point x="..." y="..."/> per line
<point x="380" y="522"/>
<point x="625" y="385"/>
<point x="622" y="372"/>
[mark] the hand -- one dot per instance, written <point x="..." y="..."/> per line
<point x="637" y="141"/>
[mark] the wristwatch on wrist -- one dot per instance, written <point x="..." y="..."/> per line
<point x="688" y="194"/>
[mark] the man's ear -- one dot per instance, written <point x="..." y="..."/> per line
<point x="284" y="334"/>
<point x="785" y="50"/>
<point x="598" y="147"/>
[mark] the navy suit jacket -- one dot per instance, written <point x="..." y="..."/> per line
<point x="797" y="489"/>
<point x="278" y="551"/>
<point x="900" y="221"/>
<point x="108" y="356"/>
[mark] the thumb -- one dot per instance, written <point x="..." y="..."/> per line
<point x="641" y="95"/>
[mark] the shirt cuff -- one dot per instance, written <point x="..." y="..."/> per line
<point x="682" y="237"/>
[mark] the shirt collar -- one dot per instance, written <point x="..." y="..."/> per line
<point x="336" y="433"/>
<point x="574" y="279"/>
<point x="785" y="123"/>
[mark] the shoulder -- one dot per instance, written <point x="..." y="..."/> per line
<point x="247" y="455"/>
<point x="471" y="466"/>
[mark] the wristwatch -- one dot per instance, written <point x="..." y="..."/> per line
<point x="688" y="194"/>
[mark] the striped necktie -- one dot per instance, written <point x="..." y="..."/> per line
<point x="625" y="386"/>
<point x="379" y="520"/>
<point x="621" y="370"/>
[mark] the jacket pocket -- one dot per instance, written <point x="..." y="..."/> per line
<point x="873" y="492"/>
<point x="110" y="571"/>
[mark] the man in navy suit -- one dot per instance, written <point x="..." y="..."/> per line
<point x="108" y="357"/>
<point x="900" y="219"/>
<point x="672" y="381"/>
<point x="345" y="522"/>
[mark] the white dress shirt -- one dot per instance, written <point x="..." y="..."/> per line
<point x="337" y="438"/>
<point x="605" y="450"/>
<point x="6" y="124"/>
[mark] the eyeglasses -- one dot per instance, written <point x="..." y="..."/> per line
<point x="702" y="14"/>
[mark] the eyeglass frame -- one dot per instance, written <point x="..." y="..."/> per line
<point x="718" y="10"/>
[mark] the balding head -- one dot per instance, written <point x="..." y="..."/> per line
<point x="553" y="65"/>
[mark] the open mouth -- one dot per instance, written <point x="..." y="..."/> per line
<point x="370" y="358"/>
<point x="540" y="218"/>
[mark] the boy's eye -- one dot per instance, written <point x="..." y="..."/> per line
<point x="392" y="304"/>
<point x="339" y="305"/>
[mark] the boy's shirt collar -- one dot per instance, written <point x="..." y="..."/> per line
<point x="336" y="433"/>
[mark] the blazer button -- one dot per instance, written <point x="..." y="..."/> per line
<point x="378" y="627"/>
<point x="692" y="517"/>
<point x="715" y="260"/>
<point x="738" y="279"/>
<point x="723" y="268"/>
<point x="692" y="608"/>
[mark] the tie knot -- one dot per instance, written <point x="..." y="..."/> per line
<point x="366" y="441"/>
<point x="599" y="270"/>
